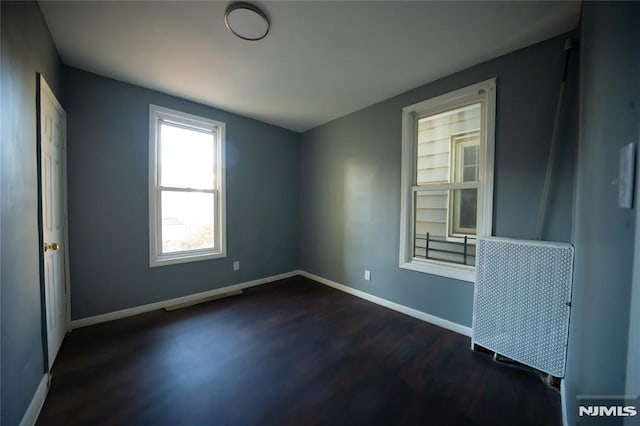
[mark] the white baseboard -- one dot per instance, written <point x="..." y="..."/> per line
<point x="432" y="319"/>
<point x="97" y="319"/>
<point x="563" y="403"/>
<point x="31" y="415"/>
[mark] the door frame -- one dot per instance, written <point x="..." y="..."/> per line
<point x="43" y="86"/>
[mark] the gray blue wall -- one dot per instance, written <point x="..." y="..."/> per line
<point x="350" y="180"/>
<point x="604" y="234"/>
<point x="27" y="48"/>
<point x="108" y="138"/>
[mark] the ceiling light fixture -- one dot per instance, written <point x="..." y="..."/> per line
<point x="246" y="21"/>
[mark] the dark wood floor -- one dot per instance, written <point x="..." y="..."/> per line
<point x="288" y="353"/>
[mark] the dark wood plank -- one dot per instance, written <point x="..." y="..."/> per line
<point x="288" y="353"/>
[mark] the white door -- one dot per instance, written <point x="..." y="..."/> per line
<point x="54" y="217"/>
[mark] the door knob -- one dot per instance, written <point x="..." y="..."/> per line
<point x="51" y="246"/>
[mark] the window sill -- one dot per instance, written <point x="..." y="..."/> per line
<point x="443" y="269"/>
<point x="185" y="258"/>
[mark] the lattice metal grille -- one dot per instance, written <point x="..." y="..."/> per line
<point x="522" y="301"/>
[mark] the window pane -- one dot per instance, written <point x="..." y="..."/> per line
<point x="470" y="160"/>
<point x="186" y="157"/>
<point x="431" y="239"/>
<point x="470" y="155"/>
<point x="465" y="208"/>
<point x="436" y="134"/>
<point x="187" y="221"/>
<point x="470" y="174"/>
<point x="431" y="212"/>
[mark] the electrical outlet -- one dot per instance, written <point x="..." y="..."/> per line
<point x="367" y="275"/>
<point x="236" y="265"/>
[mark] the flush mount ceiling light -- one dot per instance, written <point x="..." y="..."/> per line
<point x="246" y="21"/>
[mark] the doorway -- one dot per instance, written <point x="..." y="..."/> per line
<point x="53" y="168"/>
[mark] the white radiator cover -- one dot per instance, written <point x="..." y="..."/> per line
<point x="522" y="301"/>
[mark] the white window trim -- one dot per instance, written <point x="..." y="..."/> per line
<point x="155" y="256"/>
<point x="409" y="119"/>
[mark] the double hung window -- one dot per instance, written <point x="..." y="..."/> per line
<point x="447" y="180"/>
<point x="186" y="187"/>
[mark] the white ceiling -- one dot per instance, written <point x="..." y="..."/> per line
<point x="320" y="60"/>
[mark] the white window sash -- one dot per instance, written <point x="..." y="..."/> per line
<point x="446" y="186"/>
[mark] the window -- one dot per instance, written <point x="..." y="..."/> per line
<point x="466" y="164"/>
<point x="447" y="180"/>
<point x="186" y="187"/>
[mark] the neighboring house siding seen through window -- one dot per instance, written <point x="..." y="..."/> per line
<point x="186" y="187"/>
<point x="447" y="180"/>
